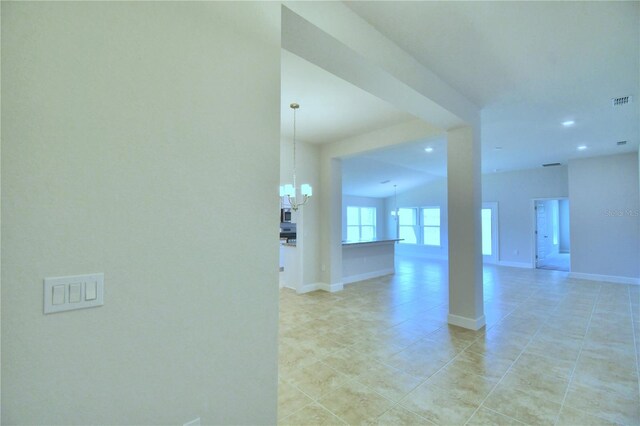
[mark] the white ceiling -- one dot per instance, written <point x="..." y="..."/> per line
<point x="330" y="108"/>
<point x="374" y="174"/>
<point x="529" y="66"/>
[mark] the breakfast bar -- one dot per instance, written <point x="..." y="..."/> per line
<point x="362" y="260"/>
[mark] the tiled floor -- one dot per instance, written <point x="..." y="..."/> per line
<point x="555" y="351"/>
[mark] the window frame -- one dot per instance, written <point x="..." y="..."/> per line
<point x="359" y="225"/>
<point x="419" y="225"/>
<point x="438" y="226"/>
<point x="415" y="225"/>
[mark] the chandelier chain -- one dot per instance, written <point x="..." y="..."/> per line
<point x="294" y="149"/>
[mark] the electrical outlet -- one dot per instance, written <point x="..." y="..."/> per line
<point x="194" y="422"/>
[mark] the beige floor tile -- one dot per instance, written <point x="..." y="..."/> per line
<point x="572" y="417"/>
<point x="317" y="379"/>
<point x="417" y="364"/>
<point x="531" y="362"/>
<point x="311" y="415"/>
<point x="612" y="368"/>
<point x="613" y="407"/>
<point x="539" y="319"/>
<point x="399" y="416"/>
<point x="488" y="365"/>
<point x="290" y="399"/>
<point x="291" y="358"/>
<point x="484" y="417"/>
<point x="557" y="347"/>
<point x="523" y="407"/>
<point x="355" y="403"/>
<point x="463" y="384"/>
<point x="389" y="381"/>
<point x="349" y="362"/>
<point x="438" y="405"/>
<point x="602" y="381"/>
<point x="551" y="388"/>
<point x="506" y="349"/>
<point x="375" y="347"/>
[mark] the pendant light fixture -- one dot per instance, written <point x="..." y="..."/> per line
<point x="288" y="190"/>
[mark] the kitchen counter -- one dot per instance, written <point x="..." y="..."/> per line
<point x="352" y="243"/>
<point x="362" y="260"/>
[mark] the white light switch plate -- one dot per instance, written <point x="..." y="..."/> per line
<point x="70" y="294"/>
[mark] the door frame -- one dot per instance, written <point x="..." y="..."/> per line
<point x="534" y="226"/>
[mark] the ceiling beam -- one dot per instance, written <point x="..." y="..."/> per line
<point x="335" y="38"/>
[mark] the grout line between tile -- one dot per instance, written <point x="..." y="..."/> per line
<point x="514" y="362"/>
<point x="573" y="370"/>
<point x="633" y="329"/>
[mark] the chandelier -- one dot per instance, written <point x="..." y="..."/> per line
<point x="290" y="190"/>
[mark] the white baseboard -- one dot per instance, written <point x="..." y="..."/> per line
<point x="606" y="278"/>
<point x="464" y="322"/>
<point x="367" y="276"/>
<point x="515" y="264"/>
<point x="331" y="288"/>
<point x="307" y="288"/>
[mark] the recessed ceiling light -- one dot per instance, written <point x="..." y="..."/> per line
<point x="582" y="147"/>
<point x="428" y="149"/>
<point x="568" y="123"/>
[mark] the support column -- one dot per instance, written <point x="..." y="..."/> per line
<point x="336" y="225"/>
<point x="464" y="195"/>
<point x="331" y="224"/>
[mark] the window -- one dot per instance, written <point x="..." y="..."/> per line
<point x="361" y="223"/>
<point x="419" y="226"/>
<point x="407" y="226"/>
<point x="431" y="226"/>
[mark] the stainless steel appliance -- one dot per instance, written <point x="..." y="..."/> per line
<point x="288" y="230"/>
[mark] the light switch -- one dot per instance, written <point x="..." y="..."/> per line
<point x="58" y="294"/>
<point x="90" y="290"/>
<point x="75" y="290"/>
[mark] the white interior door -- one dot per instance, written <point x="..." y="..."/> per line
<point x="542" y="234"/>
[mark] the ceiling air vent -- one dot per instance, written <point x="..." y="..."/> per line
<point x="616" y="102"/>
<point x="551" y="164"/>
<point x="620" y="143"/>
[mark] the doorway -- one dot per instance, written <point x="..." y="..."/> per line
<point x="489" y="218"/>
<point x="551" y="234"/>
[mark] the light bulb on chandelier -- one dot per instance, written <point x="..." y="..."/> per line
<point x="289" y="190"/>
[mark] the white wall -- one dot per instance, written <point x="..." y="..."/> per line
<point x="513" y="191"/>
<point x="378" y="203"/>
<point x="565" y="240"/>
<point x="129" y="132"/>
<point x="605" y="234"/>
